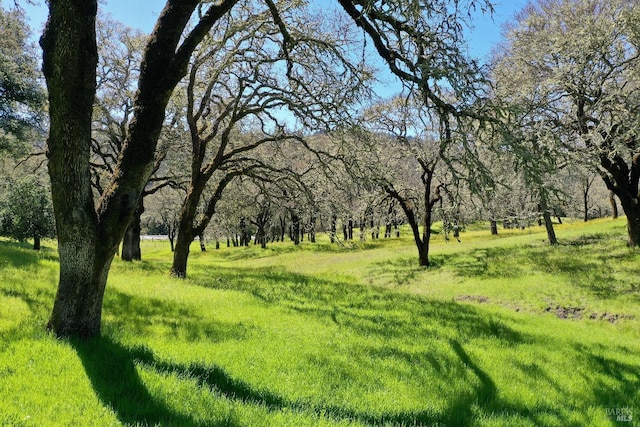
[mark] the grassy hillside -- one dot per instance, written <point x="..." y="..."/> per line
<point x="501" y="331"/>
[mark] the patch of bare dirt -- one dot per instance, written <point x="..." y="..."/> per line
<point x="609" y="317"/>
<point x="473" y="298"/>
<point x="577" y="313"/>
<point x="563" y="312"/>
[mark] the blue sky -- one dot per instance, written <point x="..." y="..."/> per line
<point x="142" y="14"/>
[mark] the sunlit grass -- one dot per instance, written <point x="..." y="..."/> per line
<point x="499" y="331"/>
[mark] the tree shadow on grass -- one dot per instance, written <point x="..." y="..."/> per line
<point x="482" y="263"/>
<point x="589" y="269"/>
<point x="618" y="384"/>
<point x="384" y="315"/>
<point x="112" y="369"/>
<point x="585" y="262"/>
<point x="364" y="309"/>
<point x="22" y="255"/>
<point x="144" y="316"/>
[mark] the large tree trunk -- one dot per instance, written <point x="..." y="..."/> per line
<point x="633" y="228"/>
<point x="188" y="229"/>
<point x="551" y="234"/>
<point x="69" y="63"/>
<point x="295" y="229"/>
<point x="422" y="243"/>
<point x="77" y="310"/>
<point x="181" y="253"/>
<point x="88" y="236"/>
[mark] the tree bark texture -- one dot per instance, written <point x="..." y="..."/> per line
<point x="69" y="64"/>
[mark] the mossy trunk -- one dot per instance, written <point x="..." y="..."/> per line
<point x="77" y="310"/>
<point x="69" y="63"/>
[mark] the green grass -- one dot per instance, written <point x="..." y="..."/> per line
<point x="501" y="331"/>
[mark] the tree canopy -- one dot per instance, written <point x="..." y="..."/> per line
<point x="21" y="90"/>
<point x="569" y="73"/>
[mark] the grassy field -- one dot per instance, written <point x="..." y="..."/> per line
<point x="501" y="331"/>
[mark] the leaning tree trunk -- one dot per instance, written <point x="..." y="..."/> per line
<point x="422" y="241"/>
<point x="551" y="234"/>
<point x="548" y="224"/>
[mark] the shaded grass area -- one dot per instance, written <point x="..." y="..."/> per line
<point x="309" y="336"/>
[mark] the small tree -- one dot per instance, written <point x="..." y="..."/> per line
<point x="26" y="212"/>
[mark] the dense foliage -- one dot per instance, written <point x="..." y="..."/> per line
<point x="21" y="90"/>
